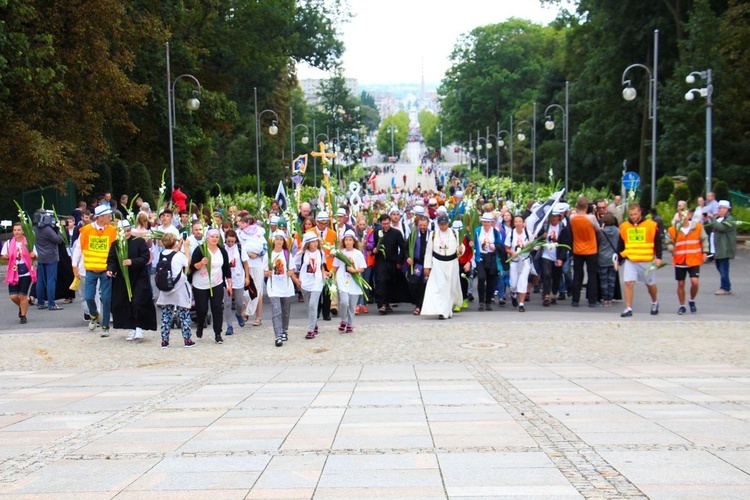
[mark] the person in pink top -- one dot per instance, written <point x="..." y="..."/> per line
<point x="21" y="273"/>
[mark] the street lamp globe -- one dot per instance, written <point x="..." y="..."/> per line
<point x="521" y="137"/>
<point x="305" y="139"/>
<point x="273" y="129"/>
<point x="689" y="96"/>
<point x="500" y="143"/>
<point x="549" y="124"/>
<point x="489" y="145"/>
<point x="690" y="79"/>
<point x="479" y="147"/>
<point x="629" y="93"/>
<point x="193" y="104"/>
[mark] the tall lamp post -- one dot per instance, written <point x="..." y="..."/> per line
<point x="549" y="124"/>
<point x="706" y="92"/>
<point x="392" y="130"/>
<point x="293" y="128"/>
<point x="522" y="137"/>
<point x="273" y="130"/>
<point x="487" y="146"/>
<point x="629" y="93"/>
<point x="192" y="104"/>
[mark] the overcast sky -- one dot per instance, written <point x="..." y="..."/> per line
<point x="387" y="40"/>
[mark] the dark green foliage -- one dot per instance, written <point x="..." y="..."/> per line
<point x="695" y="184"/>
<point x="140" y="182"/>
<point x="721" y="190"/>
<point x="682" y="192"/>
<point x="120" y="179"/>
<point x="664" y="188"/>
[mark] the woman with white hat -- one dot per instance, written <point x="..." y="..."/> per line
<point x="349" y="291"/>
<point x="312" y="273"/>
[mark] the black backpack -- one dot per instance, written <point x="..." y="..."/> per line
<point x="163" y="275"/>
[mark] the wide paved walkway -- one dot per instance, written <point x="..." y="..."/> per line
<point x="554" y="403"/>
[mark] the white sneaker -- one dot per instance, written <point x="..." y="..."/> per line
<point x="139" y="333"/>
<point x="93" y="322"/>
<point x="131" y="335"/>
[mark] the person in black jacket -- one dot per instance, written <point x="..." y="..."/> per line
<point x="390" y="252"/>
<point x="136" y="314"/>
<point x="211" y="275"/>
<point x="553" y="257"/>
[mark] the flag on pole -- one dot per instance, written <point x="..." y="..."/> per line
<point x="300" y="164"/>
<point x="281" y="196"/>
<point x="535" y="220"/>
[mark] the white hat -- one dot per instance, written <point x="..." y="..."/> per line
<point x="419" y="210"/>
<point x="442" y="210"/>
<point x="341" y="212"/>
<point x="457" y="225"/>
<point x="564" y="207"/>
<point x="725" y="204"/>
<point x="322" y="216"/>
<point x="279" y="234"/>
<point x="274" y="220"/>
<point x="488" y="217"/>
<point x="351" y="233"/>
<point x="432" y="201"/>
<point x="558" y="210"/>
<point x="394" y="210"/>
<point x="123" y="224"/>
<point x="458" y="194"/>
<point x="102" y="210"/>
<point x="309" y="236"/>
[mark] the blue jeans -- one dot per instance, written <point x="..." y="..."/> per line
<point x="722" y="265"/>
<point x="46" y="281"/>
<point x="105" y="294"/>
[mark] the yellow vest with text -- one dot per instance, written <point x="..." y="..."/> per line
<point x="639" y="240"/>
<point x="95" y="245"/>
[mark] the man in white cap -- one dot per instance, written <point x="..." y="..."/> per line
<point x="488" y="243"/>
<point x="93" y="242"/>
<point x="724" y="234"/>
<point x="344" y="223"/>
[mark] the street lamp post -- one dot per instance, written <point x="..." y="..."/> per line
<point x="393" y="130"/>
<point x="273" y="130"/>
<point x="487" y="146"/>
<point x="706" y="92"/>
<point x="522" y="137"/>
<point x="192" y="104"/>
<point x="629" y="93"/>
<point x="549" y="124"/>
<point x="293" y="128"/>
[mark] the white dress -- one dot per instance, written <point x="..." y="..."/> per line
<point x="443" y="290"/>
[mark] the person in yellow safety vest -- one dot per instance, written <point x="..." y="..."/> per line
<point x="93" y="242"/>
<point x="690" y="250"/>
<point x="639" y="244"/>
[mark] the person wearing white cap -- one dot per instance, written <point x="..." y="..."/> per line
<point x="281" y="280"/>
<point x="724" y="234"/>
<point x="520" y="266"/>
<point x="329" y="305"/>
<point x="137" y="313"/>
<point x="488" y="245"/>
<point x="443" y="292"/>
<point x="459" y="206"/>
<point x="310" y="262"/>
<point x="432" y="205"/>
<point x="344" y="223"/>
<point x="398" y="223"/>
<point x="349" y="291"/>
<point x="94" y="241"/>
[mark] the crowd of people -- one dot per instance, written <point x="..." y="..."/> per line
<point x="437" y="250"/>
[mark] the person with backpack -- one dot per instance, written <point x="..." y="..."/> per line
<point x="520" y="266"/>
<point x="488" y="244"/>
<point x="238" y="263"/>
<point x="174" y="290"/>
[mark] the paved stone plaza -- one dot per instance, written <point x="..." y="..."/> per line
<point x="548" y="404"/>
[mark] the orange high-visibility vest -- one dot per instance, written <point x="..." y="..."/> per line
<point x="95" y="245"/>
<point x="688" y="249"/>
<point x="639" y="240"/>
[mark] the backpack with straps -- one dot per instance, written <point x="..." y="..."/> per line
<point x="163" y="278"/>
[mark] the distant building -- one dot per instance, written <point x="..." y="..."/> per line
<point x="311" y="88"/>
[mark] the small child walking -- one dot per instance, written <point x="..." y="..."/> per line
<point x="281" y="280"/>
<point x="349" y="291"/>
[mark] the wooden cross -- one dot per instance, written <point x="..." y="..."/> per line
<point x="322" y="154"/>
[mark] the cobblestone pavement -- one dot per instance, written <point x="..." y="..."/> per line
<point x="549" y="404"/>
